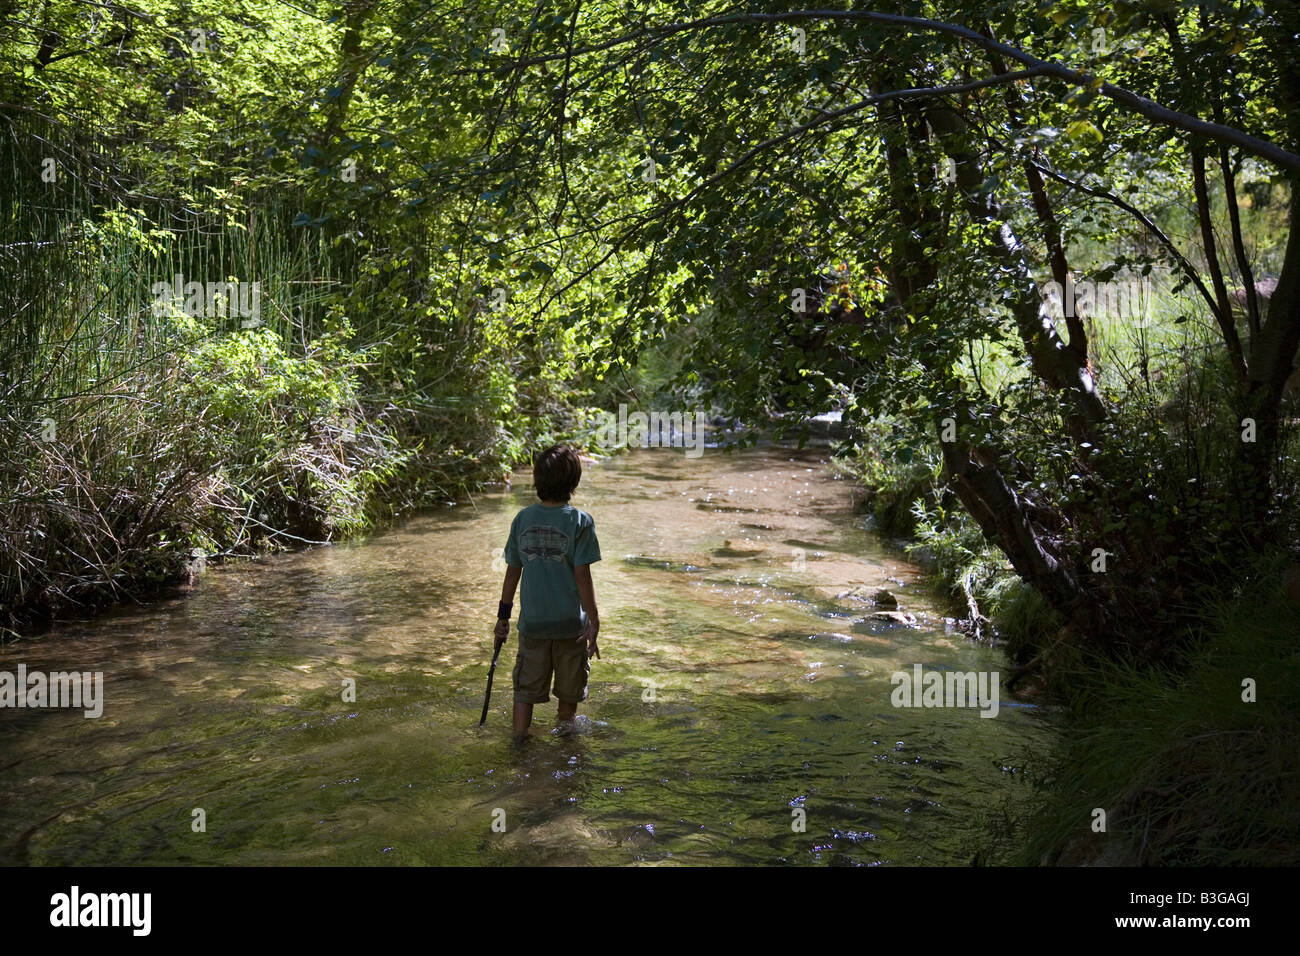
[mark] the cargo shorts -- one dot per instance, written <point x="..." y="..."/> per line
<point x="540" y="658"/>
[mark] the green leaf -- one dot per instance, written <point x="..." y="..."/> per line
<point x="1083" y="129"/>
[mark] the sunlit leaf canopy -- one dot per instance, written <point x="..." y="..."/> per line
<point x="855" y="207"/>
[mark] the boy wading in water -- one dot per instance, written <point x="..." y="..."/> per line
<point x="552" y="545"/>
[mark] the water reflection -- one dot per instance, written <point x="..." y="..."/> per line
<point x="742" y="680"/>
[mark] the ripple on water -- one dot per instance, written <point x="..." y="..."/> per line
<point x="737" y="690"/>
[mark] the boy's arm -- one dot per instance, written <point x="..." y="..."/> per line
<point x="508" y="586"/>
<point x="587" y="594"/>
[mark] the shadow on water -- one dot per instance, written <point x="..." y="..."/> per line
<point x="743" y="690"/>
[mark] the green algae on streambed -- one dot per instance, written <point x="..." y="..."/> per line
<point x="740" y="712"/>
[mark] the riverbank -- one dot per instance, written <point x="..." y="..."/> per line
<point x="231" y="445"/>
<point x="242" y="451"/>
<point x="1190" y="764"/>
<point x="902" y="501"/>
<point x="1194" y="766"/>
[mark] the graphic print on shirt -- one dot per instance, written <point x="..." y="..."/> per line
<point x="544" y="543"/>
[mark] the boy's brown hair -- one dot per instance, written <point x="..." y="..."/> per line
<point x="556" y="472"/>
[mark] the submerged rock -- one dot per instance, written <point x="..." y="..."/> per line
<point x="883" y="598"/>
<point x="896" y="617"/>
<point x="730" y="550"/>
<point x="663" y="564"/>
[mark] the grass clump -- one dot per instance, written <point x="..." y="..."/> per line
<point x="1188" y="772"/>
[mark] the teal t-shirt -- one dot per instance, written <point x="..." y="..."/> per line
<point x="548" y="542"/>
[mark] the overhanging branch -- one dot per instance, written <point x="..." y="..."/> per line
<point x="1141" y="105"/>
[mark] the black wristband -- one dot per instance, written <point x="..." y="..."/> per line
<point x="503" y="611"/>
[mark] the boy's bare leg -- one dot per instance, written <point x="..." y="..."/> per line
<point x="565" y="711"/>
<point x="523" y="718"/>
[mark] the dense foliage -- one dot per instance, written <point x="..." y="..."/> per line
<point x="469" y="221"/>
<point x="869" y="209"/>
<point x="270" y="272"/>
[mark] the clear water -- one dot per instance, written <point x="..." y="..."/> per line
<point x="735" y="687"/>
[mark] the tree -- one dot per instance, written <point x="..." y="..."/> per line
<point x="781" y="139"/>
